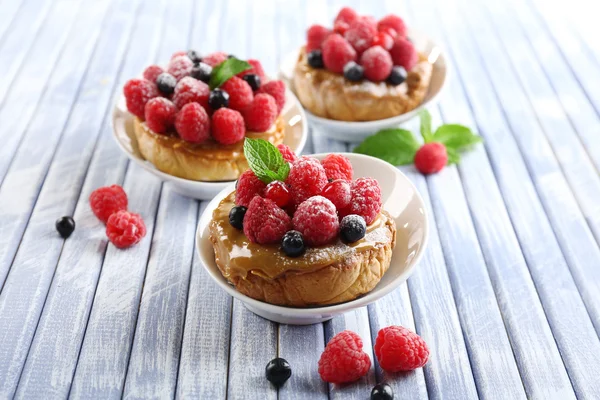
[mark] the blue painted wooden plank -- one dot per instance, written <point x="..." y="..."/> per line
<point x="262" y="28"/>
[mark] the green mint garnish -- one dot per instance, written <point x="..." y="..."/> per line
<point x="227" y="69"/>
<point x="265" y="160"/>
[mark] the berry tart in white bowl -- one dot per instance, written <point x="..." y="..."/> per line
<point x="300" y="240"/>
<point x="187" y="122"/>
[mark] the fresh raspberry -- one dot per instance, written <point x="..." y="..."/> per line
<point x="125" y="229"/>
<point x="315" y="35"/>
<point x="279" y="193"/>
<point x="317" y="220"/>
<point x="160" y="114"/>
<point x="390" y="31"/>
<point x="343" y="359"/>
<point x="240" y="93"/>
<point x="107" y="200"/>
<point x="287" y="153"/>
<point x="264" y="222"/>
<point x="369" y="19"/>
<point x="403" y="53"/>
<point x="340" y="27"/>
<point x="227" y="126"/>
<point x="377" y="63"/>
<point x="307" y="178"/>
<point x="339" y="193"/>
<point x="431" y="158"/>
<point x="383" y="39"/>
<point x="337" y="167"/>
<point x="399" y="349"/>
<point x="214" y="59"/>
<point x="190" y="90"/>
<point x="337" y="52"/>
<point x="137" y="93"/>
<point x="256" y="69"/>
<point x="178" y="54"/>
<point x="180" y="67"/>
<point x="360" y="34"/>
<point x="261" y="114"/>
<point x="152" y="72"/>
<point x="346" y="15"/>
<point x="277" y="90"/>
<point x="366" y="199"/>
<point x="394" y="22"/>
<point x="248" y="186"/>
<point x="192" y="123"/>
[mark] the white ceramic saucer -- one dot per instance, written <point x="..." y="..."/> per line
<point x="400" y="199"/>
<point x="296" y="133"/>
<point x="358" y="131"/>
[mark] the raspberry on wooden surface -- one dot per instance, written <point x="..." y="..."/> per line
<point x="343" y="359"/>
<point x="377" y="63"/>
<point x="192" y="123"/>
<point x="316" y="218"/>
<point x="160" y="114"/>
<point x="307" y="178"/>
<point x="248" y="186"/>
<point x="137" y="93"/>
<point x="265" y="222"/>
<point x="337" y="52"/>
<point x="337" y="167"/>
<point x="261" y="113"/>
<point x="124" y="229"/>
<point x="106" y="201"/>
<point x="240" y="93"/>
<point x="227" y="126"/>
<point x="431" y="158"/>
<point x="399" y="349"/>
<point x="190" y="90"/>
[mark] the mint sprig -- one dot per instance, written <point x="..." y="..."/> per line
<point x="265" y="160"/>
<point x="226" y="70"/>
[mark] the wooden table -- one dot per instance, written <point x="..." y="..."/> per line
<point x="507" y="295"/>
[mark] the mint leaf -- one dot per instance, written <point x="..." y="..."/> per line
<point x="453" y="156"/>
<point x="227" y="69"/>
<point x="265" y="160"/>
<point x="396" y="146"/>
<point x="426" y="125"/>
<point x="457" y="137"/>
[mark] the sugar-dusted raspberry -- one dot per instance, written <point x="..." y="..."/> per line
<point x="240" y="93"/>
<point x="276" y="89"/>
<point x="152" y="72"/>
<point x="315" y="35"/>
<point x="390" y="31"/>
<point x="377" y="63"/>
<point x="192" y="123"/>
<point x="431" y="158"/>
<point x="340" y="27"/>
<point x="107" y="200"/>
<point x="317" y="220"/>
<point x="307" y="178"/>
<point x="227" y="126"/>
<point x="137" y="93"/>
<point x="360" y="34"/>
<point x="369" y="19"/>
<point x="214" y="59"/>
<point x="337" y="52"/>
<point x="190" y="90"/>
<point x="366" y="199"/>
<point x="339" y="193"/>
<point x="248" y="186"/>
<point x="394" y="22"/>
<point x="403" y="53"/>
<point x="256" y="69"/>
<point x="160" y="114"/>
<point x="346" y="15"/>
<point x="264" y="222"/>
<point x="124" y="229"/>
<point x="337" y="167"/>
<point x="343" y="359"/>
<point x="180" y="67"/>
<point x="279" y="193"/>
<point x="287" y="153"/>
<point x="399" y="349"/>
<point x="178" y="54"/>
<point x="261" y="113"/>
<point x="383" y="39"/>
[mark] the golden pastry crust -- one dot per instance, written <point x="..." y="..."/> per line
<point x="209" y="161"/>
<point x="328" y="95"/>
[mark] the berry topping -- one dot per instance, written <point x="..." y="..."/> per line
<point x="339" y="193"/>
<point x="278" y="371"/>
<point x="106" y="201"/>
<point x="384" y="40"/>
<point x="256" y="69"/>
<point x="160" y="114"/>
<point x="253" y="80"/>
<point x="317" y="220"/>
<point x="431" y="158"/>
<point x="194" y="56"/>
<point x="346" y="15"/>
<point x="201" y="71"/>
<point x="152" y="72"/>
<point x="65" y="226"/>
<point x="178" y="54"/>
<point x="340" y="27"/>
<point x="192" y="123"/>
<point x="337" y="167"/>
<point x="399" y="349"/>
<point x="190" y="90"/>
<point x="392" y="22"/>
<point x="382" y="391"/>
<point x="124" y="229"/>
<point x="337" y="52"/>
<point x="137" y="93"/>
<point x="397" y="76"/>
<point x="227" y="126"/>
<point x="343" y="359"/>
<point x="248" y="186"/>
<point x="352" y="228"/>
<point x="292" y="244"/>
<point x="315" y="59"/>
<point x="353" y="72"/>
<point x="236" y="217"/>
<point x="261" y="113"/>
<point x="218" y="98"/>
<point x="287" y="153"/>
<point x="264" y="222"/>
<point x="377" y="63"/>
<point x="240" y="93"/>
<point x="366" y="199"/>
<point x="279" y="193"/>
<point x="390" y="31"/>
<point x="180" y="67"/>
<point x="307" y="178"/>
<point x="277" y="90"/>
<point x="404" y="54"/>
<point x="315" y="35"/>
<point x="214" y="59"/>
<point x="166" y="83"/>
<point x="360" y="34"/>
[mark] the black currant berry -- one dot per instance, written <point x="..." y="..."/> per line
<point x="352" y="228"/>
<point x="353" y="72"/>
<point x="236" y="217"/>
<point x="65" y="226"/>
<point x="166" y="83"/>
<point x="292" y="244"/>
<point x="218" y="98"/>
<point x="253" y="80"/>
<point x="315" y="59"/>
<point x="383" y="391"/>
<point x="397" y="76"/>
<point x="278" y="371"/>
<point x="194" y="56"/>
<point x="231" y="56"/>
<point x="201" y="71"/>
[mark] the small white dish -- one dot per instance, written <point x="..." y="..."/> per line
<point x="400" y="199"/>
<point x="296" y="133"/>
<point x="358" y="131"/>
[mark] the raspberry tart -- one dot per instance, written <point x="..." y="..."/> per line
<point x="301" y="232"/>
<point x="191" y="117"/>
<point x="361" y="69"/>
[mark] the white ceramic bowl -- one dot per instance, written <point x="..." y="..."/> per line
<point x="400" y="199"/>
<point x="296" y="133"/>
<point x="358" y="131"/>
